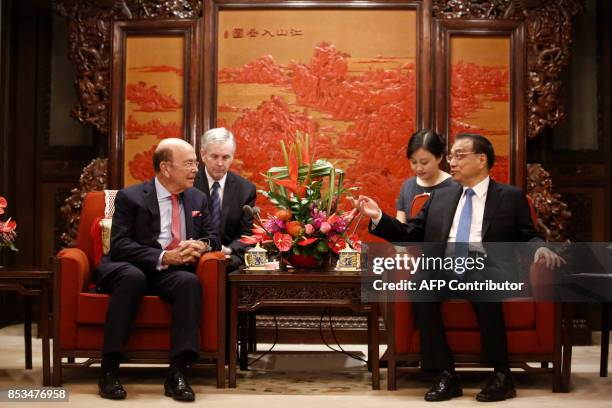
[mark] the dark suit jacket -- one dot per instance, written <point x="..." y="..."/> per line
<point x="506" y="219"/>
<point x="136" y="227"/>
<point x="235" y="222"/>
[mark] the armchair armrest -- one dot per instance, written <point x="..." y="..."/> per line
<point x="211" y="274"/>
<point x="542" y="281"/>
<point x="72" y="274"/>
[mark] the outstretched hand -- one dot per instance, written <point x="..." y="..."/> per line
<point x="366" y="206"/>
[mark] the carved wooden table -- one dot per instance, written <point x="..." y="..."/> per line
<point x="32" y="281"/>
<point x="300" y="290"/>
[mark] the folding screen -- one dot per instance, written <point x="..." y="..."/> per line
<point x="480" y="71"/>
<point x="350" y="75"/>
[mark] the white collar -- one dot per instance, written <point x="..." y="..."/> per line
<point x="480" y="189"/>
<point x="212" y="180"/>
<point x="161" y="191"/>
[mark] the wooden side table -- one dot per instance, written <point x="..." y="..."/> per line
<point x="299" y="290"/>
<point x="32" y="281"/>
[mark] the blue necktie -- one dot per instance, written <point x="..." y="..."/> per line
<point x="465" y="223"/>
<point x="215" y="219"/>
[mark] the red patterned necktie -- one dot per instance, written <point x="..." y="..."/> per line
<point x="176" y="223"/>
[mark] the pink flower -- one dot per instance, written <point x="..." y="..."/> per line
<point x="273" y="225"/>
<point x="318" y="217"/>
<point x="309" y="229"/>
<point x="325" y="227"/>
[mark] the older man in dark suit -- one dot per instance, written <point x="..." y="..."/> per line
<point x="477" y="210"/>
<point x="160" y="229"/>
<point x="228" y="193"/>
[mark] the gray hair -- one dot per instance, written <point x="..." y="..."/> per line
<point x="217" y="135"/>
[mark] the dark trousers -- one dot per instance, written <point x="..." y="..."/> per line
<point x="436" y="355"/>
<point x="127" y="285"/>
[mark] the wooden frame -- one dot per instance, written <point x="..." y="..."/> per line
<point x="422" y="7"/>
<point x="515" y="30"/>
<point x="190" y="31"/>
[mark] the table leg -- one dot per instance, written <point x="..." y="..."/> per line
<point x="566" y="365"/>
<point x="605" y="339"/>
<point x="243" y="330"/>
<point x="27" y="331"/>
<point x="233" y="336"/>
<point x="252" y="333"/>
<point x="373" y="340"/>
<point x="44" y="321"/>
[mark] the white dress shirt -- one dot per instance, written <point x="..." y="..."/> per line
<point x="478" y="206"/>
<point x="165" y="219"/>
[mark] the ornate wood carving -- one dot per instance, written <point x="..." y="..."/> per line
<point x="549" y="27"/>
<point x="313" y="322"/>
<point x="89" y="39"/>
<point x="252" y="294"/>
<point x="94" y="178"/>
<point x="553" y="215"/>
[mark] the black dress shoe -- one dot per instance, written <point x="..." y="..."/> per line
<point x="447" y="386"/>
<point x="176" y="386"/>
<point x="499" y="388"/>
<point x="110" y="387"/>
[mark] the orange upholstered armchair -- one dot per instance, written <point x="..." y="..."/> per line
<point x="533" y="328"/>
<point x="79" y="315"/>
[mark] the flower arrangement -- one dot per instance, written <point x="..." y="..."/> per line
<point x="306" y="221"/>
<point x="7" y="229"/>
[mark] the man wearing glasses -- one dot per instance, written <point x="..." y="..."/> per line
<point x="477" y="210"/>
<point x="160" y="229"/>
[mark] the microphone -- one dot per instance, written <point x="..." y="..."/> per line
<point x="252" y="212"/>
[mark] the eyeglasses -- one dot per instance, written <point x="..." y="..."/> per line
<point x="458" y="156"/>
<point x="187" y="164"/>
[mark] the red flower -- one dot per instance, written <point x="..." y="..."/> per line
<point x="282" y="241"/>
<point x="306" y="241"/>
<point x="336" y="243"/>
<point x="355" y="242"/>
<point x="8" y="226"/>
<point x="292" y="184"/>
<point x="295" y="228"/>
<point x="250" y="240"/>
<point x="3" y="204"/>
<point x="283" y="215"/>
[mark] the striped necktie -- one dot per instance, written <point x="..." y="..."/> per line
<point x="215" y="207"/>
<point x="465" y="224"/>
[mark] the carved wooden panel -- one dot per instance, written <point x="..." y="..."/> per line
<point x="89" y="28"/>
<point x="548" y="33"/>
<point x="94" y="178"/>
<point x="553" y="215"/>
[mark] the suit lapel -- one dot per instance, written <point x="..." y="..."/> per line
<point x="205" y="187"/>
<point x="188" y="217"/>
<point x="150" y="197"/>
<point x="447" y="221"/>
<point x="491" y="204"/>
<point x="228" y="196"/>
